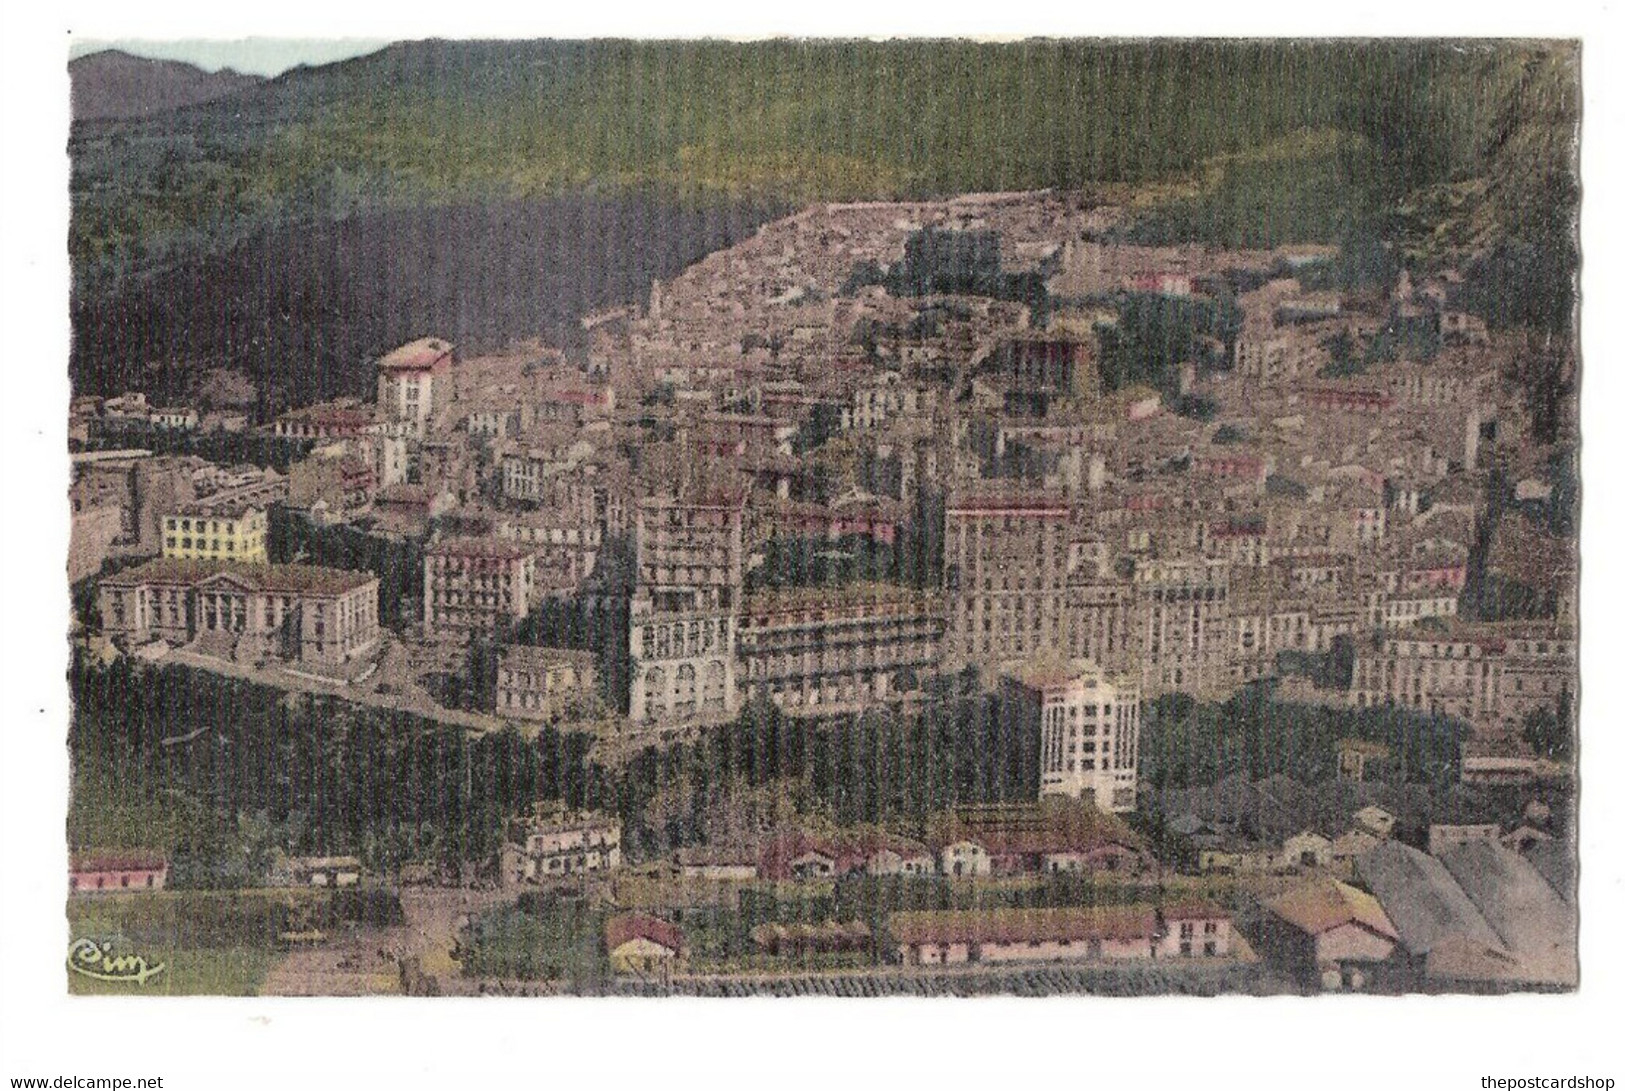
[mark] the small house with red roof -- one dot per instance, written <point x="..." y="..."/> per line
<point x="117" y="871"/>
<point x="638" y="943"/>
<point x="1054" y="834"/>
<point x="1336" y="931"/>
<point x="1194" y="930"/>
<point x="802" y="855"/>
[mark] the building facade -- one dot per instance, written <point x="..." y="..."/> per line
<point x="536" y="683"/>
<point x="474" y="586"/>
<point x="1492" y="676"/>
<point x="839" y="647"/>
<point x="685" y="609"/>
<point x="1005" y="574"/>
<point x="1089" y="730"/>
<point x="319" y="616"/>
<point x="410" y="381"/>
<point x="553" y="843"/>
<point x="216" y="532"/>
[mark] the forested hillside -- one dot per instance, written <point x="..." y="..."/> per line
<point x="1459" y="152"/>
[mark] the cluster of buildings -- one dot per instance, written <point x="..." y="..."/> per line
<point x="1473" y="915"/>
<point x="789" y="394"/>
<point x="1046" y="837"/>
<point x="651" y="948"/>
<point x="1114" y="933"/>
<point x="806" y="472"/>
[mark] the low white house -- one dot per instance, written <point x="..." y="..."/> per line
<point x="962" y="858"/>
<point x="330" y="871"/>
<point x="890" y="861"/>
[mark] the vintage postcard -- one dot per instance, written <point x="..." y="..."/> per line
<point x="910" y="518"/>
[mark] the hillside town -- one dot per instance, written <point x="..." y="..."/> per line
<point x="1260" y="567"/>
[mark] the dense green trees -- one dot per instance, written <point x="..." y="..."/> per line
<point x="880" y="767"/>
<point x="397" y="562"/>
<point x="1184" y="743"/>
<point x="219" y="772"/>
<point x="1154" y="334"/>
<point x="1550" y="732"/>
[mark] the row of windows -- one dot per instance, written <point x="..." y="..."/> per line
<point x="678" y="639"/>
<point x="211" y="545"/>
<point x="123" y="882"/>
<point x="209" y="526"/>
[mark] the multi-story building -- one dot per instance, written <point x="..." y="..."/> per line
<point x="1089" y="728"/>
<point x="691" y="552"/>
<point x="884" y="399"/>
<point x="1266" y="355"/>
<point x="683" y="664"/>
<point x="332" y="420"/>
<point x="410" y="379"/>
<point x="217" y="531"/>
<point x="1100" y="621"/>
<point x="565" y="544"/>
<point x="533" y="475"/>
<point x="321" y="616"/>
<point x="1538" y="671"/>
<point x="1048" y="363"/>
<point x="1181" y="627"/>
<point x="1491" y="676"/>
<point x="138" y="488"/>
<point x="537" y="683"/>
<point x="552" y="843"/>
<point x="1005" y="571"/>
<point x="475" y="586"/>
<point x="685" y="609"/>
<point x="808" y="648"/>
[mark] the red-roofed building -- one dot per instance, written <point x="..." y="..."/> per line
<point x="117" y="870"/>
<point x="1055" y="834"/>
<point x="1331" y="930"/>
<point x="642" y="945"/>
<point x="407" y="381"/>
<point x="1069" y="934"/>
<point x="1194" y="930"/>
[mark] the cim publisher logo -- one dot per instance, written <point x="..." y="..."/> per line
<point x="93" y="959"/>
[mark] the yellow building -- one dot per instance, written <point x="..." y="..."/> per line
<point x="232" y="532"/>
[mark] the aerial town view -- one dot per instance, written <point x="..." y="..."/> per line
<point x="852" y="519"/>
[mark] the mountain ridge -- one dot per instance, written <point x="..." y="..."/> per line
<point x="112" y="84"/>
<point x="1444" y="153"/>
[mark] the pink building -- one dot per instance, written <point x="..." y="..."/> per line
<point x="1194" y="930"/>
<point x="117" y="870"/>
<point x="1070" y="934"/>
